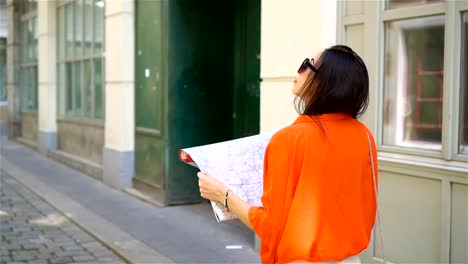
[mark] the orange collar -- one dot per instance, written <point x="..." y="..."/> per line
<point x="328" y="116"/>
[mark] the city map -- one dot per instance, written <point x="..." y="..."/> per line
<point x="237" y="163"/>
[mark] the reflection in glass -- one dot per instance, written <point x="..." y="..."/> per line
<point x="391" y="4"/>
<point x="69" y="32"/>
<point x="88" y="30"/>
<point x="88" y="86"/>
<point x="98" y="89"/>
<point x="99" y="25"/>
<point x="69" y="87"/>
<point x="464" y="88"/>
<point x="61" y="33"/>
<point x="78" y="28"/>
<point x="78" y="88"/>
<point x="61" y="89"/>
<point x="3" y="64"/>
<point x="413" y="82"/>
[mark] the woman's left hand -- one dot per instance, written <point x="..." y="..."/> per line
<point x="211" y="188"/>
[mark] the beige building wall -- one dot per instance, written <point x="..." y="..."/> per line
<point x="291" y="31"/>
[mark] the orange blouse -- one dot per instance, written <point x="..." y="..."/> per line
<point x="318" y="196"/>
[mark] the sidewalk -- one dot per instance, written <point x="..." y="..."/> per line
<point x="137" y="231"/>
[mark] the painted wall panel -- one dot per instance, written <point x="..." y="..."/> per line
<point x="355" y="37"/>
<point x="354" y="7"/>
<point x="411" y="217"/>
<point x="459" y="224"/>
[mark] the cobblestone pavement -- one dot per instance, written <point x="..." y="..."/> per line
<point x="32" y="231"/>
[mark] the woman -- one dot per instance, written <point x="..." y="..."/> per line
<point x="318" y="198"/>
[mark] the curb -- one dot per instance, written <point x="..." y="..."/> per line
<point x="120" y="242"/>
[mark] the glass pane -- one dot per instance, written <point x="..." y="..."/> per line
<point x="78" y="89"/>
<point x="69" y="34"/>
<point x="32" y="5"/>
<point x="3" y="76"/>
<point x="61" y="33"/>
<point x="30" y="41"/>
<point x="35" y="88"/>
<point x="61" y="89"/>
<point x="99" y="25"/>
<point x="24" y="38"/>
<point x="78" y="28"/>
<point x="407" y="3"/>
<point x="464" y="88"/>
<point x="24" y="86"/>
<point x="98" y="89"/>
<point x="88" y="38"/>
<point x="35" y="39"/>
<point x="69" y="87"/>
<point x="413" y="84"/>
<point x="88" y="89"/>
<point x="28" y="87"/>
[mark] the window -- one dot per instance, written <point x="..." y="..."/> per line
<point x="413" y="82"/>
<point x="28" y="51"/>
<point x="463" y="134"/>
<point x="3" y="76"/>
<point x="424" y="102"/>
<point x="80" y="36"/>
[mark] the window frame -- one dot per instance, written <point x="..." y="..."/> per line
<point x="452" y="10"/>
<point x="461" y="12"/>
<point x="79" y="61"/>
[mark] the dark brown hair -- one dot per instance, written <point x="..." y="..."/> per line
<point x="340" y="85"/>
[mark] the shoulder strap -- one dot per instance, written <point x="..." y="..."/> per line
<point x="376" y="195"/>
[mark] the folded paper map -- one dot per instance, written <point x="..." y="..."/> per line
<point x="237" y="163"/>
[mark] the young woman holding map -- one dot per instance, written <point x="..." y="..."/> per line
<point x="319" y="193"/>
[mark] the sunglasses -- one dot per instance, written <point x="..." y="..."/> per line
<point x="307" y="63"/>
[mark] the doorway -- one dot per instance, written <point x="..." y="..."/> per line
<point x="197" y="82"/>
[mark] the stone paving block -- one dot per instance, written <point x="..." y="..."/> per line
<point x="84" y="258"/>
<point x="5" y="259"/>
<point x="103" y="253"/>
<point x="63" y="260"/>
<point x="24" y="256"/>
<point x="72" y="248"/>
<point x="73" y="253"/>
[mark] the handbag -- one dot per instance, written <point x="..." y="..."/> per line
<point x="379" y="221"/>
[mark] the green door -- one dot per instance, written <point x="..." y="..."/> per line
<point x="197" y="82"/>
<point x="149" y="96"/>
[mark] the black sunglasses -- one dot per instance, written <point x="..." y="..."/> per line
<point x="307" y="63"/>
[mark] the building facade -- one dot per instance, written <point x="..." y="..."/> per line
<point x="114" y="88"/>
<point x="416" y="52"/>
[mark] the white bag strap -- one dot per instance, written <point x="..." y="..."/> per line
<point x="376" y="195"/>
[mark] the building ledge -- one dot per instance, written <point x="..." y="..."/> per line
<point x="85" y="166"/>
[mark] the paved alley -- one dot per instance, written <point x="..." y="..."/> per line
<point x="32" y="231"/>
